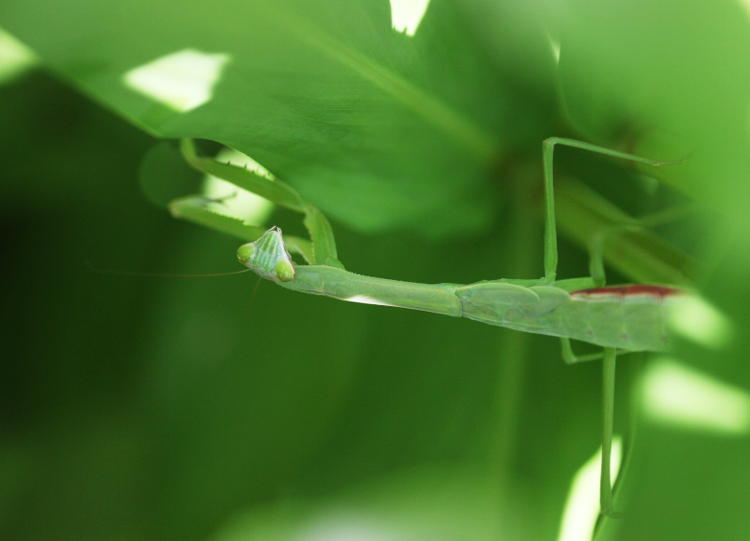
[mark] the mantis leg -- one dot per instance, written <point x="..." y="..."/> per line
<point x="608" y="356"/>
<point x="570" y="357"/>
<point x="598" y="242"/>
<point x="194" y="208"/>
<point x="320" y="249"/>
<point x="550" y="228"/>
<point x="608" y="414"/>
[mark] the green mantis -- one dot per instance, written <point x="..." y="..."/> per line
<point x="619" y="319"/>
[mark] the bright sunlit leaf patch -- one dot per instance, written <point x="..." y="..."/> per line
<point x="695" y="319"/>
<point x="231" y="200"/>
<point x="407" y="14"/>
<point x="554" y="46"/>
<point x="15" y="57"/>
<point x="678" y="395"/>
<point x="582" y="505"/>
<point x="183" y="80"/>
<point x="345" y="527"/>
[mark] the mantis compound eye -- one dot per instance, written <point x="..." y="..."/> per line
<point x="245" y="254"/>
<point x="284" y="271"/>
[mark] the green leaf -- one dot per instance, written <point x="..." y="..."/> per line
<point x="679" y="90"/>
<point x="362" y="120"/>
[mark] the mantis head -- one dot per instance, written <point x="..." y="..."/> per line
<point x="268" y="257"/>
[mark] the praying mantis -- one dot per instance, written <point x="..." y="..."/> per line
<point x="619" y="319"/>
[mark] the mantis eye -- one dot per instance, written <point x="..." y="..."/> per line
<point x="284" y="271"/>
<point x="245" y="254"/>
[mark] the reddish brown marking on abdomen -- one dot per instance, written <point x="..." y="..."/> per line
<point x="635" y="289"/>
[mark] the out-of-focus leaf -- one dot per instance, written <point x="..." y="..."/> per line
<point x="440" y="505"/>
<point x="15" y="58"/>
<point x="374" y="127"/>
<point x="671" y="74"/>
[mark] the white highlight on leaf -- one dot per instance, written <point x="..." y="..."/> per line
<point x="407" y="14"/>
<point x="582" y="505"/>
<point x="15" y="57"/>
<point x="345" y="526"/>
<point x="695" y="319"/>
<point x="675" y="394"/>
<point x="234" y="201"/>
<point x="363" y="299"/>
<point x="183" y="80"/>
<point x="554" y="46"/>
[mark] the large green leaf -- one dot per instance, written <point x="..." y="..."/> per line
<point x="373" y="126"/>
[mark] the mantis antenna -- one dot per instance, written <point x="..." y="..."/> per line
<point x="116" y="272"/>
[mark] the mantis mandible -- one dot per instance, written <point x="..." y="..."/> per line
<point x="620" y="319"/>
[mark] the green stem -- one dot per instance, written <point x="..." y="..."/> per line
<point x="513" y="349"/>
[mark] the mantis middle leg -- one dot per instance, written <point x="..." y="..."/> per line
<point x="550" y="227"/>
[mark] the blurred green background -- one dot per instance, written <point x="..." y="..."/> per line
<point x="222" y="409"/>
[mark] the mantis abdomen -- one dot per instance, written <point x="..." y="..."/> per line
<point x="633" y="318"/>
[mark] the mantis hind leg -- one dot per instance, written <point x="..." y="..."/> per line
<point x="608" y="357"/>
<point x="570" y="357"/>
<point x="606" y="496"/>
